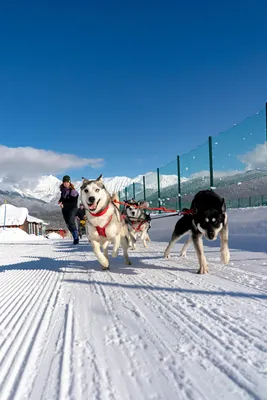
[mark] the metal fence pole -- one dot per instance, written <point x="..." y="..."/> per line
<point x="211" y="162"/>
<point x="179" y="183"/>
<point x="133" y="190"/>
<point x="126" y="193"/>
<point x="159" y="199"/>
<point x="144" y="187"/>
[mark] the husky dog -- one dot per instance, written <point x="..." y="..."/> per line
<point x="104" y="222"/>
<point x="138" y="221"/>
<point x="208" y="219"/>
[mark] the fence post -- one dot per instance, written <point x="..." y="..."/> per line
<point x="211" y="162"/>
<point x="179" y="183"/>
<point x="159" y="200"/>
<point x="133" y="190"/>
<point x="144" y="187"/>
<point x="126" y="193"/>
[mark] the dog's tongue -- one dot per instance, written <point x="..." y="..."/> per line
<point x="92" y="207"/>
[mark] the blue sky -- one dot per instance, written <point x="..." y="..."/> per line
<point x="132" y="82"/>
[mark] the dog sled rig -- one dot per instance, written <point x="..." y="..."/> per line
<point x="133" y="203"/>
<point x="102" y="230"/>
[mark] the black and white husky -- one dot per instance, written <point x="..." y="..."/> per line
<point x="208" y="219"/>
<point x="104" y="223"/>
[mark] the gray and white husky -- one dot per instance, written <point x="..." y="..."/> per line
<point x="104" y="222"/>
<point x="137" y="221"/>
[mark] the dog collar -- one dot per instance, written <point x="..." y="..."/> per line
<point x="100" y="213"/>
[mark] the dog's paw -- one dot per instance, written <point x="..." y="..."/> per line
<point x="105" y="264"/>
<point x="203" y="269"/>
<point x="114" y="254"/>
<point x="225" y="256"/>
<point x="183" y="255"/>
<point x="128" y="262"/>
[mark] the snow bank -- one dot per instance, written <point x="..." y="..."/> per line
<point x="12" y="216"/>
<point x="54" y="235"/>
<point x="247" y="229"/>
<point x="17" y="235"/>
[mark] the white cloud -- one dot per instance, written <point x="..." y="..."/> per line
<point x="256" y="158"/>
<point x="26" y="162"/>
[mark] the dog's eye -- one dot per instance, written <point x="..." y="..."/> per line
<point x="97" y="190"/>
<point x="86" y="190"/>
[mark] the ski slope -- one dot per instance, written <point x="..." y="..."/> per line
<point x="154" y="330"/>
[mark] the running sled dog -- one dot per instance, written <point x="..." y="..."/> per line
<point x="138" y="221"/>
<point x="207" y="217"/>
<point x="104" y="222"/>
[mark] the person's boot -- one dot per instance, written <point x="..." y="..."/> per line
<point x="75" y="237"/>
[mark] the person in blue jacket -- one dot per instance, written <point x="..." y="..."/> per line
<point x="68" y="203"/>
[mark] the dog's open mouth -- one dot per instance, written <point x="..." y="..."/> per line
<point x="93" y="206"/>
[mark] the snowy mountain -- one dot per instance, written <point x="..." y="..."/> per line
<point x="46" y="188"/>
<point x="41" y="196"/>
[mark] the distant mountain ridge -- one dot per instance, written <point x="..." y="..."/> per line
<point x="41" y="196"/>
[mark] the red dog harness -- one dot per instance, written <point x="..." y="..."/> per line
<point x="101" y="230"/>
<point x="138" y="228"/>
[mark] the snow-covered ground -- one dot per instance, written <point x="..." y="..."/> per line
<point x="154" y="330"/>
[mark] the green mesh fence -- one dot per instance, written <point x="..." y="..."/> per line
<point x="169" y="185"/>
<point x="152" y="189"/>
<point x="237" y="159"/>
<point x="139" y="190"/>
<point x="195" y="173"/>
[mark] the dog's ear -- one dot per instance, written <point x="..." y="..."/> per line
<point x="144" y="204"/>
<point x="223" y="205"/>
<point x="84" y="182"/>
<point x="100" y="178"/>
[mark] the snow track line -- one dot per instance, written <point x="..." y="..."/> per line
<point x="200" y="333"/>
<point x="106" y="303"/>
<point x="18" y="307"/>
<point x="14" y="281"/>
<point x="14" y="292"/>
<point x="14" y="356"/>
<point x="226" y="272"/>
<point x="153" y="327"/>
<point x="233" y="328"/>
<point x="66" y="379"/>
<point x="87" y="356"/>
<point x="178" y="379"/>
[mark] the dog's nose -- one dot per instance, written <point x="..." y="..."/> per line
<point x="133" y="212"/>
<point x="211" y="235"/>
<point x="91" y="199"/>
